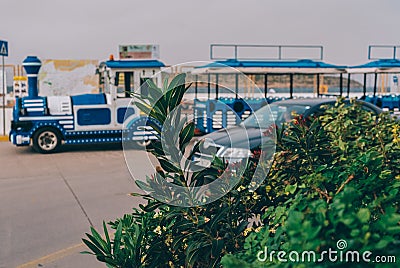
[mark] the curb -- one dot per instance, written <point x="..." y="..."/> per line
<point x="3" y="138"/>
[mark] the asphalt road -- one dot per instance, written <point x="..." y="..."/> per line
<point x="48" y="202"/>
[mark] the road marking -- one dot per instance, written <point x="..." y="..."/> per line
<point x="53" y="256"/>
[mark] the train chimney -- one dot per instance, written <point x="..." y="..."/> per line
<point x="32" y="65"/>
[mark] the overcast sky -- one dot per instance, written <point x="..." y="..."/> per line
<point x="184" y="29"/>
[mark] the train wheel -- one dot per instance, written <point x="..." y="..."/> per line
<point x="46" y="140"/>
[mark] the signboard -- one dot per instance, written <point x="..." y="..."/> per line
<point x="68" y="77"/>
<point x="139" y="52"/>
<point x="4" y="48"/>
<point x="20" y="86"/>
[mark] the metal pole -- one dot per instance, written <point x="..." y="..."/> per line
<point x="236" y="52"/>
<point x="196" y="86"/>
<point x="208" y="86"/>
<point x="265" y="85"/>
<point x="348" y="85"/>
<point x="4" y="99"/>
<point x="279" y="52"/>
<point x="236" y="86"/>
<point x="216" y="86"/>
<point x="365" y="85"/>
<point x="291" y="86"/>
<point x="375" y="81"/>
<point x="322" y="53"/>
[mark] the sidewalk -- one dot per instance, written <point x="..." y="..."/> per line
<point x="3" y="138"/>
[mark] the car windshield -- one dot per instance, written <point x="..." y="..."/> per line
<point x="263" y="118"/>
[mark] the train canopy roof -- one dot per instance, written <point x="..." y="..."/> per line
<point x="133" y="64"/>
<point x="304" y="66"/>
<point x="378" y="66"/>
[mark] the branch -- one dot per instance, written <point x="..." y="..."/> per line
<point x="346" y="182"/>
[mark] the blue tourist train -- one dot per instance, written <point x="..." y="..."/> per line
<point x="221" y="97"/>
<point x="48" y="122"/>
<point x="375" y="82"/>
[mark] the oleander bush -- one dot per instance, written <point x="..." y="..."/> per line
<point x="161" y="235"/>
<point x="334" y="178"/>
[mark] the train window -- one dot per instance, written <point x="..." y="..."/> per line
<point x="124" y="83"/>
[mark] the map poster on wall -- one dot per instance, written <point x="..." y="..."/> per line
<point x="68" y="77"/>
<point x="139" y="52"/>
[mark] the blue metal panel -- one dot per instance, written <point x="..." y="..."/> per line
<point x="200" y="115"/>
<point x="95" y="116"/>
<point x="206" y="111"/>
<point x="387" y="101"/>
<point x="34" y="106"/>
<point x="123" y="113"/>
<point x="89" y="99"/>
<point x="32" y="66"/>
<point x="383" y="63"/>
<point x="130" y="64"/>
<point x="271" y="64"/>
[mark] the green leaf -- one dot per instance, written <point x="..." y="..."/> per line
<point x="117" y="239"/>
<point x="216" y="250"/>
<point x="152" y="206"/>
<point x="186" y="135"/>
<point x="144" y="186"/>
<point x="194" y="252"/>
<point x="144" y="107"/>
<point x="92" y="247"/>
<point x="154" y="91"/>
<point x="176" y="90"/>
<point x="220" y="217"/>
<point x="364" y="215"/>
<point x="384" y="242"/>
<point x="98" y="241"/>
<point x="291" y="188"/>
<point x="107" y="237"/>
<point x="168" y="166"/>
<point x="165" y="85"/>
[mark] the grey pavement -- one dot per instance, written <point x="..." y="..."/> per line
<point x="47" y="202"/>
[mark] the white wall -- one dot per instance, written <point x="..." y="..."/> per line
<point x="8" y="112"/>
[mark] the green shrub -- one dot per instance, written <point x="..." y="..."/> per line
<point x="334" y="178"/>
<point x="162" y="235"/>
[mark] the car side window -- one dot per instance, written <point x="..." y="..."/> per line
<point x="368" y="109"/>
<point x="317" y="112"/>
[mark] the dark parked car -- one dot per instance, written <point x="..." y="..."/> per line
<point x="235" y="143"/>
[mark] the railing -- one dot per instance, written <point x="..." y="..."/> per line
<point x="280" y="49"/>
<point x="376" y="47"/>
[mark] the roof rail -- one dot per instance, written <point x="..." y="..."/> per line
<point x="279" y="49"/>
<point x="376" y="47"/>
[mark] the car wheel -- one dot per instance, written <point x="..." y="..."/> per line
<point x="46" y="140"/>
